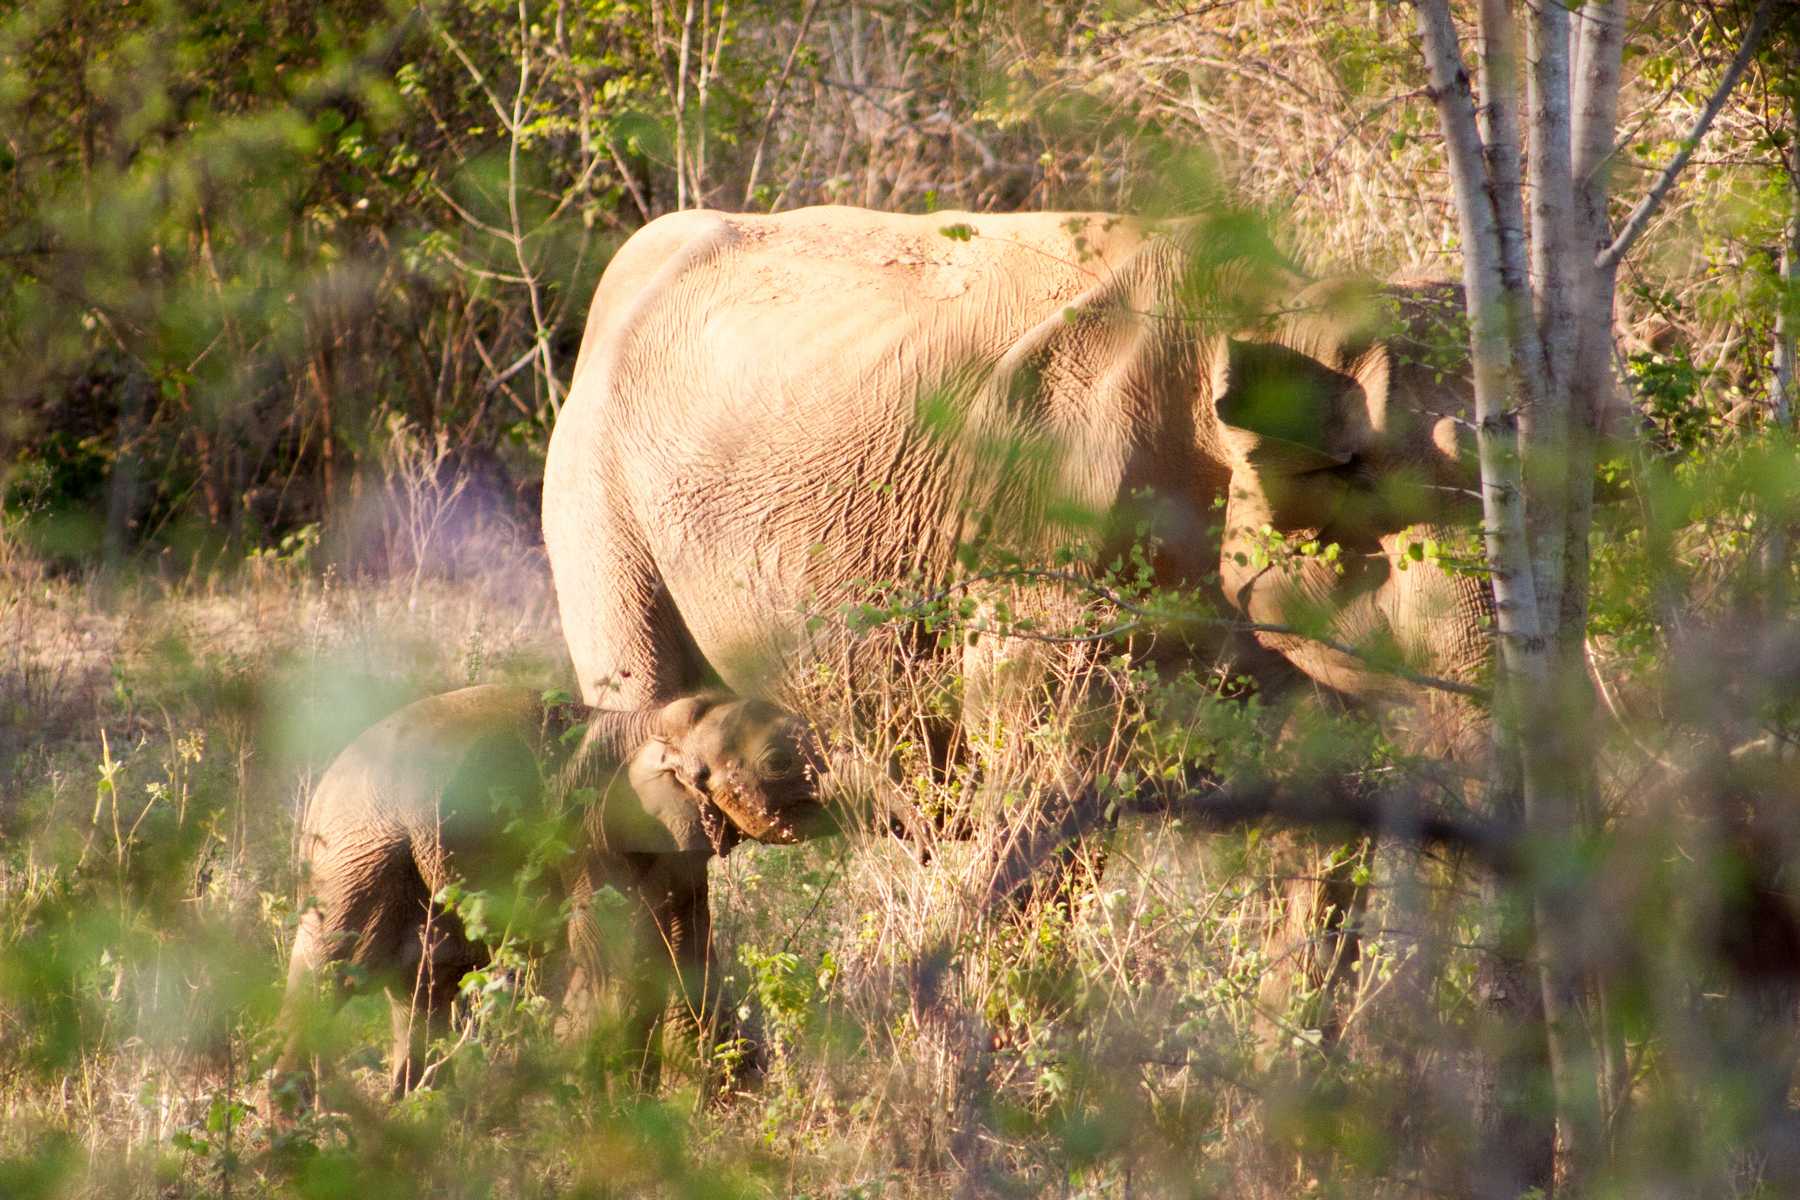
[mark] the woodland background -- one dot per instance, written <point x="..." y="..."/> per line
<point x="289" y="298"/>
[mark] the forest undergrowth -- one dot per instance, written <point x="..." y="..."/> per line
<point x="290" y="299"/>
<point x="1157" y="1025"/>
<point x="894" y="1032"/>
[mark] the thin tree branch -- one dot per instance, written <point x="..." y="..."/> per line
<point x="539" y="332"/>
<point x="1646" y="208"/>
<point x="781" y="81"/>
<point x="1356" y="127"/>
<point x="1334" y="801"/>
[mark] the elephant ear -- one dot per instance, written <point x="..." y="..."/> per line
<point x="1113" y="358"/>
<point x="635" y="807"/>
<point x="645" y="810"/>
<point x="676" y="719"/>
<point x="1284" y="412"/>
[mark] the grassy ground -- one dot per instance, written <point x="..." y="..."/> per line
<point x="910" y="1040"/>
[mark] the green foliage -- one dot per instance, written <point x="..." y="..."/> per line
<point x="1669" y="390"/>
<point x="238" y="243"/>
<point x="238" y="223"/>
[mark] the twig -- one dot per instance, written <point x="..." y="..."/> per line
<point x="1355" y="128"/>
<point x="1646" y="208"/>
<point x="540" y="332"/>
<point x="630" y="180"/>
<point x="1161" y="19"/>
<point x="781" y="81"/>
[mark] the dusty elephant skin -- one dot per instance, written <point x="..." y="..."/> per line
<point x="758" y="422"/>
<point x="424" y="799"/>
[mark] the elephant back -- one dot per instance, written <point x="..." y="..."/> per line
<point x="441" y="778"/>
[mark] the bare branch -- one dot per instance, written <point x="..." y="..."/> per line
<point x="638" y="199"/>
<point x="539" y="331"/>
<point x="781" y="81"/>
<point x="1783" y="386"/>
<point x="475" y="73"/>
<point x="1646" y="208"/>
<point x="1335" y="801"/>
<point x="1356" y="127"/>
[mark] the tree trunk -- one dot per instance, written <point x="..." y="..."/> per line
<point x="122" y="485"/>
<point x="1527" y="723"/>
<point x="1555" y="369"/>
<point x="1778" y="546"/>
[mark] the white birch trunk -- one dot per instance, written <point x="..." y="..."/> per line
<point x="1778" y="547"/>
<point x="1598" y="42"/>
<point x="1502" y="488"/>
<point x="1546" y="418"/>
<point x="1781" y="399"/>
<point x="1555" y="364"/>
<point x="1528" y="715"/>
<point x="1600" y="39"/>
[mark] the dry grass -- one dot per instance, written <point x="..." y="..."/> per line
<point x="1157" y="1028"/>
<point x="915" y="1037"/>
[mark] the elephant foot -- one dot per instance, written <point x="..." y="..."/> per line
<point x="740" y="1055"/>
<point x="1312" y="944"/>
<point x="290" y="1092"/>
<point x="712" y="1052"/>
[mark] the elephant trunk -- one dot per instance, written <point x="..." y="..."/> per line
<point x="1396" y="605"/>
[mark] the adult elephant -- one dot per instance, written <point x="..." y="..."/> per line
<point x="767" y="410"/>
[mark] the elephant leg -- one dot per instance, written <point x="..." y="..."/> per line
<point x="356" y="925"/>
<point x="1004" y="676"/>
<point x="1013" y="685"/>
<point x="630" y="647"/>
<point x="676" y="992"/>
<point x="618" y="982"/>
<point x="1072" y="876"/>
<point x="1313" y="941"/>
<point x="291" y="1084"/>
<point x="686" y="928"/>
<point x="603" y="951"/>
<point x="581" y="1003"/>
<point x="417" y="1023"/>
<point x="421" y="1000"/>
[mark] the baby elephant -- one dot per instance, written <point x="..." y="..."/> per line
<point x="437" y="793"/>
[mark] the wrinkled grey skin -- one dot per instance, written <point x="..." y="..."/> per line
<point x="424" y="798"/>
<point x="767" y="410"/>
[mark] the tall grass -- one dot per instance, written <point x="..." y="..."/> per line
<point x="897" y="1028"/>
